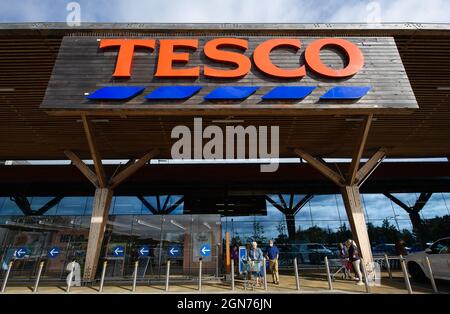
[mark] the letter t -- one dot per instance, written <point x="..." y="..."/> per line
<point x="126" y="51"/>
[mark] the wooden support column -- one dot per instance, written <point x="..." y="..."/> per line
<point x="88" y="173"/>
<point x="100" y="210"/>
<point x="360" y="149"/>
<point x="132" y="168"/>
<point x="88" y="130"/>
<point x="321" y="167"/>
<point x="349" y="185"/>
<point x="103" y="194"/>
<point x="355" y="214"/>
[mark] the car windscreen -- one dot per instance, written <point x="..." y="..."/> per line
<point x="441" y="247"/>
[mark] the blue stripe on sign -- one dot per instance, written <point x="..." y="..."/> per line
<point x="116" y="92"/>
<point x="289" y="92"/>
<point x="231" y="93"/>
<point x="346" y="92"/>
<point x="173" y="92"/>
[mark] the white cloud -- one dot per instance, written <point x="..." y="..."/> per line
<point x="229" y="11"/>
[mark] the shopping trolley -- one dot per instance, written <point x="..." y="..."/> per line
<point x="251" y="271"/>
<point x="345" y="269"/>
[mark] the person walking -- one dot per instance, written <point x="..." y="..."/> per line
<point x="256" y="257"/>
<point x="354" y="258"/>
<point x="272" y="255"/>
<point x="235" y="257"/>
<point x="400" y="248"/>
<point x="346" y="264"/>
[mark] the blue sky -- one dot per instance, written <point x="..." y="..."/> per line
<point x="230" y="11"/>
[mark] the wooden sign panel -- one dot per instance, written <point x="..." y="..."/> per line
<point x="83" y="68"/>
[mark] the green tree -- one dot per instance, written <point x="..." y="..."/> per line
<point x="438" y="227"/>
<point x="343" y="233"/>
<point x="312" y="234"/>
<point x="281" y="228"/>
<point x="258" y="233"/>
<point x="408" y="237"/>
<point x="387" y="233"/>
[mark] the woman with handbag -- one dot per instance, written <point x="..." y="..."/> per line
<point x="354" y="258"/>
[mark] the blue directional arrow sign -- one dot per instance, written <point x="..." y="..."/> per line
<point x="21" y="252"/>
<point x="205" y="250"/>
<point x="242" y="257"/>
<point x="144" y="250"/>
<point x="118" y="251"/>
<point x="54" y="252"/>
<point x="174" y="251"/>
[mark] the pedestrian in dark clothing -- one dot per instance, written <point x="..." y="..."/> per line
<point x="400" y="248"/>
<point x="235" y="256"/>
<point x="273" y="254"/>
<point x="354" y="258"/>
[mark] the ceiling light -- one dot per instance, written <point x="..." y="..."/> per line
<point x="147" y="224"/>
<point x="177" y="224"/>
<point x="117" y="224"/>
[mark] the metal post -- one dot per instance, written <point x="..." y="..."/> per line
<point x="388" y="265"/>
<point x="102" y="279"/>
<point x="167" y="275"/>
<point x="36" y="285"/>
<point x="297" y="282"/>
<point x="5" y="281"/>
<point x="217" y="260"/>
<point x="136" y="265"/>
<point x="200" y="275"/>
<point x="405" y="275"/>
<point x="430" y="271"/>
<point x="265" y="274"/>
<point x="366" y="280"/>
<point x="330" y="285"/>
<point x="232" y="274"/>
<point x="69" y="284"/>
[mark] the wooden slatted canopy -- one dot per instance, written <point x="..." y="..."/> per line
<point x="28" y="53"/>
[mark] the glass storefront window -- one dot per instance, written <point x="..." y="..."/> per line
<point x="37" y="203"/>
<point x="377" y="206"/>
<point x="161" y="234"/>
<point x="323" y="207"/>
<point x="304" y="214"/>
<point x="126" y="205"/>
<point x="71" y="206"/>
<point x="133" y="225"/>
<point x="340" y="207"/>
<point x="446" y="198"/>
<point x="404" y="224"/>
<point x="9" y="207"/>
<point x="435" y="207"/>
<point x="89" y="204"/>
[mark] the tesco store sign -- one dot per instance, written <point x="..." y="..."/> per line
<point x="167" y="74"/>
<point x="213" y="50"/>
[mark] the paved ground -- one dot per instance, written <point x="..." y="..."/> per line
<point x="308" y="284"/>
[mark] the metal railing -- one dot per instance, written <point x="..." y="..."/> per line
<point x="327" y="268"/>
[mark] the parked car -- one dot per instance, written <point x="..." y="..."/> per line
<point x="334" y="249"/>
<point x="386" y="248"/>
<point x="438" y="254"/>
<point x="312" y="253"/>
